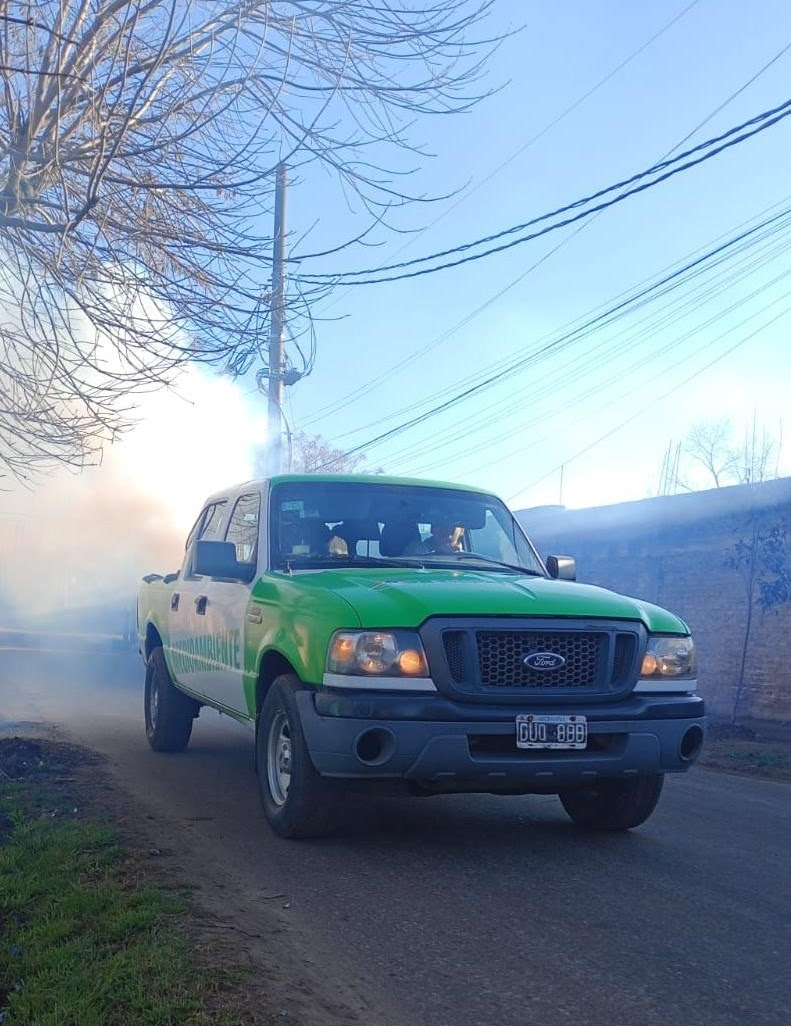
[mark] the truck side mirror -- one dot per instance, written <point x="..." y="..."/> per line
<point x="562" y="568"/>
<point x="218" y="559"/>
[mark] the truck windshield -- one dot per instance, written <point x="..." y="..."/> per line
<point x="321" y="523"/>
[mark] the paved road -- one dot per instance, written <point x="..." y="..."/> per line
<point x="468" y="911"/>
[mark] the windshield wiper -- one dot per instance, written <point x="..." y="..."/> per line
<point x="307" y="562"/>
<point x="457" y="557"/>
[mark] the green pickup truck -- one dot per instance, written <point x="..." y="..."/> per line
<point x="405" y="636"/>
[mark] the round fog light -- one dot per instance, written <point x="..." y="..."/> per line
<point x="374" y="746"/>
<point x="691" y="742"/>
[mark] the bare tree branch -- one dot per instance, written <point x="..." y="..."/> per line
<point x="710" y="446"/>
<point x="138" y="142"/>
<point x="313" y="453"/>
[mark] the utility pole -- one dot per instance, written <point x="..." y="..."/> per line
<point x="277" y="365"/>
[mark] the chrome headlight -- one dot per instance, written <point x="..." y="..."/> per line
<point x="669" y="658"/>
<point x="377" y="654"/>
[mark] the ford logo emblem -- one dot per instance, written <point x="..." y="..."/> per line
<point x="544" y="661"/>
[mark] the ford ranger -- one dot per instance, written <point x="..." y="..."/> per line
<point x="405" y="635"/>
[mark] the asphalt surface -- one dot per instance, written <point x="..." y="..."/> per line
<point x="465" y="911"/>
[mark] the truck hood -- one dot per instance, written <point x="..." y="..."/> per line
<point x="405" y="598"/>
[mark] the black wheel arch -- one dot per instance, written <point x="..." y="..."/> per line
<point x="273" y="665"/>
<point x="153" y="639"/>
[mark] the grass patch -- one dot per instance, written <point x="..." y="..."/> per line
<point x="82" y="941"/>
<point x="749" y="755"/>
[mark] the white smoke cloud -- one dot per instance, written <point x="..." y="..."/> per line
<point x="76" y="540"/>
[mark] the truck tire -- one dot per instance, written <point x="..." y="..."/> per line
<point x="614" y="804"/>
<point x="169" y="713"/>
<point x="297" y="801"/>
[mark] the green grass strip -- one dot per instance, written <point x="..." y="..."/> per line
<point x="81" y="943"/>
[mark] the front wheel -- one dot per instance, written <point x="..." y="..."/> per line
<point x="297" y="801"/>
<point x="614" y="804"/>
<point x="169" y="712"/>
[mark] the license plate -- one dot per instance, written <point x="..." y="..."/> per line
<point x="551" y="731"/>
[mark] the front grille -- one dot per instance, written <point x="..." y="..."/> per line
<point x="501" y="656"/>
<point x="483" y="658"/>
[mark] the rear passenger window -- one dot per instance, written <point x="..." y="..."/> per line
<point x="243" y="528"/>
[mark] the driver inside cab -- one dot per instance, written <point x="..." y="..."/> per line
<point x="444" y="539"/>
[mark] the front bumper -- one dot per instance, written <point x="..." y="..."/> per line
<point x="451" y="745"/>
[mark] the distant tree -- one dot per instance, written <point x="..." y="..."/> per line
<point x="752" y="462"/>
<point x="312" y="453"/>
<point x="710" y="446"/>
<point x="760" y="555"/>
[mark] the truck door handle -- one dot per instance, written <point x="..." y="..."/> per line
<point x="200" y="604"/>
<point x="174" y="601"/>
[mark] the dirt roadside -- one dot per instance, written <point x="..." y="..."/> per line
<point x="741" y="750"/>
<point x="271" y="978"/>
<point x="235" y="920"/>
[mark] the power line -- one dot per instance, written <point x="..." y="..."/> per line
<point x="523" y="361"/>
<point x="731" y="98"/>
<point x="681" y="339"/>
<point x="553" y="122"/>
<point x="670" y="167"/>
<point x="369" y="385"/>
<point x="563" y="342"/>
<point x="576" y="332"/>
<point x="644" y="410"/>
<point x="589" y="363"/>
<point x="736" y="268"/>
<point x="372" y="383"/>
<point x="460" y="397"/>
<point x="473" y="188"/>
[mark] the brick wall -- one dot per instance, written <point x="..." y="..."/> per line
<point x="674" y="551"/>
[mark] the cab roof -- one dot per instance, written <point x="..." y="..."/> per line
<point x="343" y="478"/>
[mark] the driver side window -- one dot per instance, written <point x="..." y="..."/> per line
<point x="243" y="528"/>
<point x="207" y="527"/>
<point x="210" y="530"/>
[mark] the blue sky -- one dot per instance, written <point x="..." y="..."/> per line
<point x="515" y="437"/>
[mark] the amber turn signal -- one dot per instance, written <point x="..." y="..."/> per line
<point x="343" y="649"/>
<point x="412" y="662"/>
<point x="650" y="665"/>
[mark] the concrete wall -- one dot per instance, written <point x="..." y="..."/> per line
<point x="674" y="551"/>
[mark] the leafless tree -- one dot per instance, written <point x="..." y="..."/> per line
<point x="709" y="446"/>
<point x="313" y="453"/>
<point x="755" y="460"/>
<point x="138" y="141"/>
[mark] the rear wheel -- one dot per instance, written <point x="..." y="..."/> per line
<point x="169" y="712"/>
<point x="297" y="801"/>
<point x="614" y="804"/>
